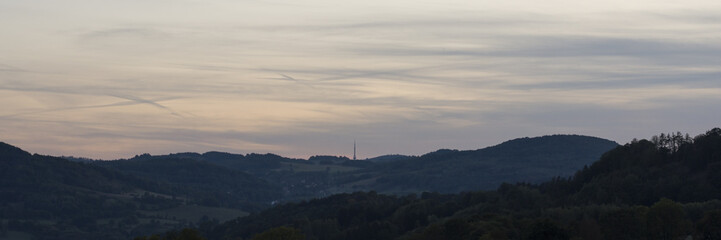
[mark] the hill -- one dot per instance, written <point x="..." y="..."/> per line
<point x="63" y="198"/>
<point x="450" y="171"/>
<point x="447" y="171"/>
<point x="388" y="158"/>
<point x="663" y="188"/>
<point x="670" y="165"/>
<point x="299" y="179"/>
<point x="53" y="198"/>
<point x="206" y="183"/>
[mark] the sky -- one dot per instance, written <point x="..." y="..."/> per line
<point x="111" y="79"/>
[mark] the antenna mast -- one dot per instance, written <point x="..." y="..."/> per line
<point x="354" y="149"/>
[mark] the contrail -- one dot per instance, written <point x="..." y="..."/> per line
<point x="288" y="77"/>
<point x="117" y="104"/>
<point x="147" y="101"/>
<point x="132" y="98"/>
<point x="292" y="79"/>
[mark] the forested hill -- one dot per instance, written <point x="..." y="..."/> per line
<point x="23" y="173"/>
<point x="531" y="160"/>
<point x="670" y="165"/>
<point x="209" y="184"/>
<point x="450" y="171"/>
<point x="663" y="188"/>
<point x="55" y="198"/>
<point x="52" y="196"/>
<point x="44" y="197"/>
<point x="9" y="152"/>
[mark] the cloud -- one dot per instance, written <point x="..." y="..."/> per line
<point x="554" y="47"/>
<point x="128" y="41"/>
<point x="112" y="141"/>
<point x="602" y="46"/>
<point x="300" y="79"/>
<point x="123" y="33"/>
<point x="635" y="80"/>
<point x="9" y="68"/>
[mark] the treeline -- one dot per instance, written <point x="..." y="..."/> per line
<point x="680" y="168"/>
<point x="664" y="188"/>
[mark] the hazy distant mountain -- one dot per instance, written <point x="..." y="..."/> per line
<point x="520" y="160"/>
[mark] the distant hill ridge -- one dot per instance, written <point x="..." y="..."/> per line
<point x="84" y="199"/>
<point x="8" y="151"/>
<point x="520" y="160"/>
<point x="528" y="159"/>
<point x="663" y="188"/>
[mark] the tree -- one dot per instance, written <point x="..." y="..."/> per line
<point x="456" y="228"/>
<point x="622" y="224"/>
<point x="709" y="227"/>
<point x="665" y="220"/>
<point x="547" y="230"/>
<point x="280" y="233"/>
<point x="189" y="234"/>
<point x="185" y="234"/>
<point x="3" y="229"/>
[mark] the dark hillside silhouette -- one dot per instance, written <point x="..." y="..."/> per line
<point x="646" y="189"/>
<point x="210" y="184"/>
<point x="450" y="171"/>
<point x="58" y="198"/>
